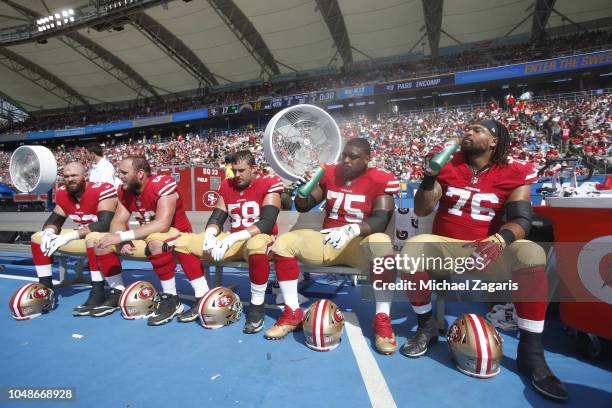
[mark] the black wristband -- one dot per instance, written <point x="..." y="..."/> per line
<point x="508" y="236"/>
<point x="428" y="183"/>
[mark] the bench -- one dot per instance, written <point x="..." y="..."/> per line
<point x="287" y="221"/>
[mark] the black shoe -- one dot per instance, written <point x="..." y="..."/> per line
<point x="255" y="319"/>
<point x="109" y="305"/>
<point x="95" y="299"/>
<point x="530" y="361"/>
<point x="426" y="335"/>
<point x="168" y="307"/>
<point x="191" y="314"/>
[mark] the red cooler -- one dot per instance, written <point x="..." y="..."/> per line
<point x="583" y="243"/>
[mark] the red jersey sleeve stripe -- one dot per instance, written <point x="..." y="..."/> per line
<point x="105" y="196"/>
<point x="167" y="190"/>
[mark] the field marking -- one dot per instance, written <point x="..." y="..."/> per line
<point x="375" y="383"/>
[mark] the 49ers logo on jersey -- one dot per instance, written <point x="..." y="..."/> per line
<point x="145" y="293"/>
<point x="454" y="333"/>
<point x="210" y="199"/>
<point x="224" y="300"/>
<point x="338" y="315"/>
<point x="41" y="293"/>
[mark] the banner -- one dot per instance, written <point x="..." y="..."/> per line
<point x="355" y="92"/>
<point x="420" y="83"/>
<point x="549" y="66"/>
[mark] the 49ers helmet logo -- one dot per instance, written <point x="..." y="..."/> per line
<point x="454" y="333"/>
<point x="210" y="198"/>
<point x="145" y="293"/>
<point x="41" y="293"/>
<point x="224" y="300"/>
<point x="338" y="315"/>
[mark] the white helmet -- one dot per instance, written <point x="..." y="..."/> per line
<point x="138" y="300"/>
<point x="219" y="307"/>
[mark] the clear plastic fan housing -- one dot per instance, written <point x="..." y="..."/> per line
<point x="299" y="138"/>
<point x="33" y="169"/>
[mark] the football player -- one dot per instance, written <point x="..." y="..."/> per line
<point x="252" y="202"/>
<point x="89" y="205"/>
<point x="358" y="207"/>
<point x="158" y="206"/>
<point x="474" y="190"/>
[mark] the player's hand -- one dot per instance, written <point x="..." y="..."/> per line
<point x="46" y="239"/>
<point x="126" y="248"/>
<point x="210" y="241"/>
<point x="486" y="250"/>
<point x="60" y="241"/>
<point x="340" y="236"/>
<point x="108" y="240"/>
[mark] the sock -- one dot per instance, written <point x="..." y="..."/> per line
<point x="259" y="269"/>
<point x="94" y="269"/>
<point x="290" y="293"/>
<point x="383" y="298"/>
<point x="164" y="266"/>
<point x="116" y="282"/>
<point x="169" y="286"/>
<point x="200" y="286"/>
<point x="109" y="264"/>
<point x="530" y="299"/>
<point x="423" y="318"/>
<point x="47" y="281"/>
<point x="258" y="293"/>
<point x="418" y="296"/>
<point x="192" y="266"/>
<point x="42" y="263"/>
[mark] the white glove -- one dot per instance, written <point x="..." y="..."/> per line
<point x="226" y="243"/>
<point x="340" y="236"/>
<point x="210" y="239"/>
<point x="60" y="241"/>
<point x="47" y="237"/>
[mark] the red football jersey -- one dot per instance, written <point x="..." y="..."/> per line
<point x="471" y="206"/>
<point x="352" y="201"/>
<point x="244" y="206"/>
<point x="143" y="206"/>
<point x="84" y="210"/>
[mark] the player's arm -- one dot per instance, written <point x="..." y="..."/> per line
<point x="270" y="207"/>
<point x="305" y="204"/>
<point x="382" y="211"/>
<point x="55" y="221"/>
<point x="105" y="213"/>
<point x="518" y="215"/>
<point x="120" y="219"/>
<point x="427" y="196"/>
<point x="215" y="222"/>
<point x="164" y="213"/>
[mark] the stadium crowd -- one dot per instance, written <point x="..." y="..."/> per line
<point x="357" y="74"/>
<point x="540" y="130"/>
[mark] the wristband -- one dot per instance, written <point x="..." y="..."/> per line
<point x="126" y="235"/>
<point x="428" y="183"/>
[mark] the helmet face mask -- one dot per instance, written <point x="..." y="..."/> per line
<point x="219" y="307"/>
<point x="138" y="300"/>
<point x="323" y="325"/>
<point x="475" y="346"/>
<point x="31" y="301"/>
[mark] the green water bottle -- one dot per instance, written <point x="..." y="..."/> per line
<point x="439" y="160"/>
<point x="305" y="189"/>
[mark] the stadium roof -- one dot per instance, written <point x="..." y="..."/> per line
<point x="174" y="46"/>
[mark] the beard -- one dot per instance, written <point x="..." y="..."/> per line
<point x="133" y="186"/>
<point x="75" y="188"/>
<point x="471" y="150"/>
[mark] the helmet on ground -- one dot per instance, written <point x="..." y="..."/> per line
<point x="475" y="346"/>
<point x="31" y="300"/>
<point x="138" y="300"/>
<point x="323" y="325"/>
<point x="219" y="307"/>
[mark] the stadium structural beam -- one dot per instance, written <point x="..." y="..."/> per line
<point x="98" y="55"/>
<point x="174" y="48"/>
<point x="330" y="9"/>
<point x="519" y="24"/>
<point x="13" y="102"/>
<point x="416" y="44"/>
<point x="41" y="77"/>
<point x="563" y="16"/>
<point x="432" y="9"/>
<point x="247" y="34"/>
<point x="541" y="14"/>
<point x="451" y="37"/>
